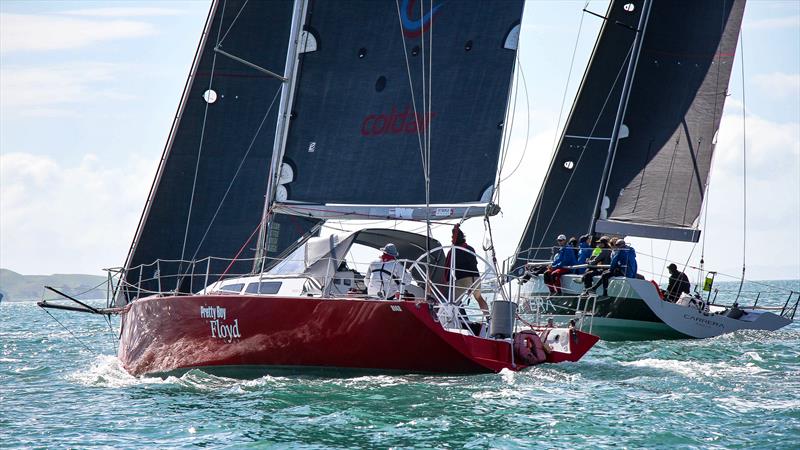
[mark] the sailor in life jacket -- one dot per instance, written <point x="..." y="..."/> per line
<point x="386" y="275"/>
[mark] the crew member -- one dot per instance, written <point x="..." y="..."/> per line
<point x="562" y="263"/>
<point x="678" y="283"/>
<point x="623" y="263"/>
<point x="601" y="255"/>
<point x="466" y="269"/>
<point x="386" y="274"/>
<point x="584" y="251"/>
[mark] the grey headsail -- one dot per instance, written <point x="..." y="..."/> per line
<point x="358" y="121"/>
<point x="208" y="195"/>
<point x="659" y="175"/>
<point x="659" y="172"/>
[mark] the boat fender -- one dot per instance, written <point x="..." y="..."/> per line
<point x="528" y="348"/>
<point x="658" y="289"/>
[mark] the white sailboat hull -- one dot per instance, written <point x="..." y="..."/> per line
<point x="634" y="311"/>
<point x="698" y="324"/>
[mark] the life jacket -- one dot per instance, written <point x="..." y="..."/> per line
<point x="528" y="348"/>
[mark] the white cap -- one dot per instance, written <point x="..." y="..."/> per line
<point x="561" y="237"/>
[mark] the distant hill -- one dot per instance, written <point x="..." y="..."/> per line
<point x="17" y="287"/>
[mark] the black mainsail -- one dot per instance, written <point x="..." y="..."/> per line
<point x="366" y="101"/>
<point x="662" y="158"/>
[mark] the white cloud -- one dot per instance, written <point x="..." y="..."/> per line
<point x="28" y="32"/>
<point x="772" y="24"/>
<point x="778" y="84"/>
<point x="38" y="91"/>
<point x="56" y="217"/>
<point x="122" y="12"/>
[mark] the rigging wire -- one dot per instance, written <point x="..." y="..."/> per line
<point x="411" y="86"/>
<point x="583" y="150"/>
<point x="744" y="166"/>
<point x="555" y="150"/>
<point x="202" y="137"/>
<point x="508" y="121"/>
<point x="527" y="125"/>
<point x="665" y="259"/>
<point x="71" y="333"/>
<point x="569" y="77"/>
<point x="427" y="122"/>
<point x="508" y="124"/>
<point x="236" y="174"/>
<point x="233" y="22"/>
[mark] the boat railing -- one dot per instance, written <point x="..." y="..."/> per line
<point x="181" y="276"/>
<point x="448" y="299"/>
<point x="539" y="308"/>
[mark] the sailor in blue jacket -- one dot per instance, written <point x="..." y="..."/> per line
<point x="562" y="263"/>
<point x="584" y="251"/>
<point x="623" y="263"/>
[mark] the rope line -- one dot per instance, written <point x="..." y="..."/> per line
<point x="71" y="333"/>
<point x="569" y="76"/>
<point x="527" y="127"/>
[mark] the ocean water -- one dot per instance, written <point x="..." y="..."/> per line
<point x="735" y="391"/>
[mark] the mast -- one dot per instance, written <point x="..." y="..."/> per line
<point x="623" y="104"/>
<point x="282" y="128"/>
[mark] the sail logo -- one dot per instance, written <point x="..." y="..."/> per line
<point x="414" y="28"/>
<point x="396" y="122"/>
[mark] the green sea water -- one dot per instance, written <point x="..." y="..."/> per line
<point x="735" y="391"/>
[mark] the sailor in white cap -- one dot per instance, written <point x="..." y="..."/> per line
<point x="386" y="275"/>
<point x="562" y="263"/>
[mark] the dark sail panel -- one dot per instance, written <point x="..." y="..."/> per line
<point x="660" y="172"/>
<point x="567" y="197"/>
<point x="354" y="137"/>
<point x="208" y="196"/>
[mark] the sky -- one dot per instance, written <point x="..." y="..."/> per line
<point x="88" y="92"/>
